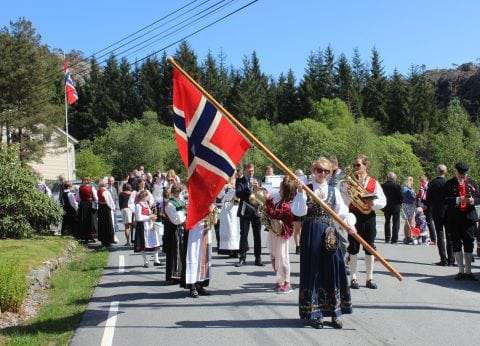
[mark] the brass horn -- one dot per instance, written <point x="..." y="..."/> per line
<point x="257" y="197"/>
<point x="356" y="192"/>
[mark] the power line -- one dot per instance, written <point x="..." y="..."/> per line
<point x="183" y="27"/>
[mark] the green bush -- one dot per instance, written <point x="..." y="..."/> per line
<point x="23" y="208"/>
<point x="13" y="286"/>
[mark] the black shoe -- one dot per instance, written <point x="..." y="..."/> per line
<point x="460" y="276"/>
<point x="354" y="284"/>
<point x="387" y="240"/>
<point x="470" y="277"/>
<point x="442" y="263"/>
<point x="157" y="264"/>
<point x="193" y="293"/>
<point x="202" y="291"/>
<point x="393" y="242"/>
<point x="259" y="263"/>
<point x="240" y="263"/>
<point x="371" y="284"/>
<point x="337" y="323"/>
<point x="317" y="323"/>
<point x="297" y="250"/>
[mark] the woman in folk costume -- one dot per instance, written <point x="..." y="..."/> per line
<point x="70" y="208"/>
<point x="174" y="225"/>
<point x="228" y="220"/>
<point x="279" y="242"/>
<point x="147" y="238"/>
<point x="106" y="207"/>
<point x="87" y="195"/>
<point x="197" y="256"/>
<point x="324" y="290"/>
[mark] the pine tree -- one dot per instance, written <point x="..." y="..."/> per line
<point x="27" y="86"/>
<point x="359" y="76"/>
<point x="397" y="104"/>
<point x="421" y="102"/>
<point x="375" y="92"/>
<point x="287" y="99"/>
<point x="252" y="91"/>
<point x="344" y="80"/>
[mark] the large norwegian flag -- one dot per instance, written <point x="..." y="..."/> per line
<point x="70" y="90"/>
<point x="209" y="144"/>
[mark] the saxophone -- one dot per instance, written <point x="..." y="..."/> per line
<point x="356" y="192"/>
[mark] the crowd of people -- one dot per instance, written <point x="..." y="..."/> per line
<point x="154" y="206"/>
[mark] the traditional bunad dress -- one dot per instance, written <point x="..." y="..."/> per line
<point x="70" y="208"/>
<point x="229" y="222"/>
<point x="132" y="201"/>
<point x="324" y="290"/>
<point x="106" y="207"/>
<point x="147" y="237"/>
<point x="174" y="226"/>
<point x="198" y="255"/>
<point x="87" y="195"/>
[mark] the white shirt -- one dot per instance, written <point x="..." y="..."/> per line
<point x="175" y="217"/>
<point x="299" y="204"/>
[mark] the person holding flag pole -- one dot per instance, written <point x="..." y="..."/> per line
<point x="206" y="158"/>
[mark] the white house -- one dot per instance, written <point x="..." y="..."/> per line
<point x="56" y="160"/>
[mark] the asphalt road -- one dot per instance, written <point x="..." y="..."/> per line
<point x="132" y="305"/>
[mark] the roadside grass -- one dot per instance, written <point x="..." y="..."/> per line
<point x="70" y="290"/>
<point x="30" y="253"/>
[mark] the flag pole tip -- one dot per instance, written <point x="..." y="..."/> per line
<point x="170" y="59"/>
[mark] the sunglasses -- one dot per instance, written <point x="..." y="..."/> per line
<point x="356" y="165"/>
<point x="321" y="170"/>
<point x="170" y="179"/>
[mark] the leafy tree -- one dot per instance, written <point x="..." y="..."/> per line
<point x="333" y="113"/>
<point x="457" y="140"/>
<point x="140" y="142"/>
<point x="395" y="155"/>
<point x="303" y="141"/>
<point x="87" y="163"/>
<point x="23" y="208"/>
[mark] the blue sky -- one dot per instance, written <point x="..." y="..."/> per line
<point x="283" y="33"/>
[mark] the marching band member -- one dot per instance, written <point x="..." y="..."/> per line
<point x="366" y="220"/>
<point x="461" y="196"/>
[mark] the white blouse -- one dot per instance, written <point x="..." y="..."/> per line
<point x="299" y="204"/>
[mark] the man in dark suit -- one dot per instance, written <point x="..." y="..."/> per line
<point x="248" y="214"/>
<point x="393" y="193"/>
<point x="435" y="203"/>
<point x="461" y="196"/>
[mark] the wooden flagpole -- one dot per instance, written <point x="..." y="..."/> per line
<point x="284" y="168"/>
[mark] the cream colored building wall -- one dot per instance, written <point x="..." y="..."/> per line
<point x="55" y="160"/>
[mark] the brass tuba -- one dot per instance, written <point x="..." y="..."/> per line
<point x="356" y="192"/>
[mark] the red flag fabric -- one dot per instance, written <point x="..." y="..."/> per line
<point x="209" y="144"/>
<point x="70" y="90"/>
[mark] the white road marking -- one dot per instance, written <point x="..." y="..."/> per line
<point x="121" y="264"/>
<point x="107" y="338"/>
